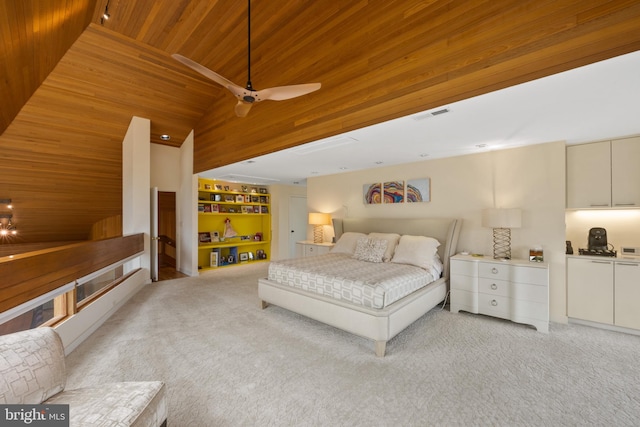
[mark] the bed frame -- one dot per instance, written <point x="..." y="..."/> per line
<point x="383" y="324"/>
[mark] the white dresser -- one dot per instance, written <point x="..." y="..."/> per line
<point x="307" y="248"/>
<point x="517" y="290"/>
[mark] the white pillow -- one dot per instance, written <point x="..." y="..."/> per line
<point x="392" y="242"/>
<point x="416" y="250"/>
<point x="370" y="250"/>
<point x="346" y="244"/>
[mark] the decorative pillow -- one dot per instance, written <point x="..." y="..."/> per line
<point x="370" y="250"/>
<point x="346" y="244"/>
<point x="392" y="242"/>
<point x="416" y="250"/>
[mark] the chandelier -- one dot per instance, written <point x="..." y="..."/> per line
<point x="7" y="228"/>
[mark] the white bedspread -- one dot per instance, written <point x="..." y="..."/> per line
<point x="372" y="285"/>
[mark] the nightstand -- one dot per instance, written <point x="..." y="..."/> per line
<point x="308" y="248"/>
<point x="517" y="290"/>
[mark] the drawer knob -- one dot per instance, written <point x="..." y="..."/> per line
<point x="494" y="270"/>
<point x="494" y="286"/>
<point x="494" y="302"/>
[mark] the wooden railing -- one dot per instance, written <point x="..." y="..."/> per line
<point x="29" y="275"/>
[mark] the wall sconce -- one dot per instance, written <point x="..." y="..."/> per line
<point x="105" y="16"/>
<point x="502" y="221"/>
<point x="318" y="220"/>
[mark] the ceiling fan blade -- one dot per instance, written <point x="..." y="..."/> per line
<point x="287" y="92"/>
<point x="242" y="108"/>
<point x="234" y="88"/>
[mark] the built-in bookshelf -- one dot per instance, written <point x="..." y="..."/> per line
<point x="234" y="223"/>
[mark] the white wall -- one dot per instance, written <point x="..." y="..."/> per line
<point x="187" y="214"/>
<point x="165" y="167"/>
<point x="531" y="178"/>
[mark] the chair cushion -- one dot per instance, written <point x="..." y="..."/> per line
<point x="116" y="404"/>
<point x="32" y="366"/>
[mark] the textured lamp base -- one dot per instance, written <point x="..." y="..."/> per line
<point x="502" y="243"/>
<point x="317" y="234"/>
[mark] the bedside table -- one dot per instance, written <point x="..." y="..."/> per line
<point x="307" y="248"/>
<point x="517" y="290"/>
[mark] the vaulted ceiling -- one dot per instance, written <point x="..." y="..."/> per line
<point x="70" y="84"/>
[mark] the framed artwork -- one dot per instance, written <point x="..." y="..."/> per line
<point x="419" y="190"/>
<point x="218" y="187"/>
<point x="204" y="237"/>
<point x="245" y="189"/>
<point x="244" y="256"/>
<point x="239" y="198"/>
<point x="250" y="256"/>
<point x="215" y="236"/>
<point x="207" y="187"/>
<point x="228" y="198"/>
<point x="226" y="188"/>
<point x="254" y="190"/>
<point x="215" y="208"/>
<point x="263" y="191"/>
<point x="372" y="193"/>
<point x="393" y="192"/>
<point x="213" y="259"/>
<point x="245" y="209"/>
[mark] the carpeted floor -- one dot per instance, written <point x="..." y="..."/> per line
<point x="226" y="362"/>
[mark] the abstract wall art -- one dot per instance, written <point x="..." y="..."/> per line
<point x="418" y="190"/>
<point x="372" y="193"/>
<point x="393" y="192"/>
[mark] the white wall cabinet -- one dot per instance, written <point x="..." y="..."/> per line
<point x="517" y="290"/>
<point x="308" y="248"/>
<point x="604" y="174"/>
<point x="604" y="290"/>
<point x="627" y="294"/>
<point x="590" y="289"/>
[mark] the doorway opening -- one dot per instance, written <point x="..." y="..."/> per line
<point x="167" y="236"/>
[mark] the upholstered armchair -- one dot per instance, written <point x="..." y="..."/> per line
<point x="32" y="371"/>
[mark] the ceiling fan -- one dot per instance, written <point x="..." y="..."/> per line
<point x="247" y="96"/>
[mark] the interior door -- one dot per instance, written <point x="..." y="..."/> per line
<point x="298" y="218"/>
<point x="154" y="234"/>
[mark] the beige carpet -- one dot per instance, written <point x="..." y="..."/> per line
<point x="226" y="362"/>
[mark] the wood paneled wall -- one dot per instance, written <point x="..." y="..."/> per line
<point x="70" y="85"/>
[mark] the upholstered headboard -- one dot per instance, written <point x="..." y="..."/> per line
<point x="445" y="230"/>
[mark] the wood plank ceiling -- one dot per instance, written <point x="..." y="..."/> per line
<point x="70" y="85"/>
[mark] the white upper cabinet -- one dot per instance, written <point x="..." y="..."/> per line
<point x="604" y="174"/>
<point x="625" y="172"/>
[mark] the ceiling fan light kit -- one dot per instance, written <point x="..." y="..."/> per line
<point x="247" y="96"/>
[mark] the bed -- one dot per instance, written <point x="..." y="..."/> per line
<point x="377" y="317"/>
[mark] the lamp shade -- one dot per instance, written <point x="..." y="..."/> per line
<point x="319" y="218"/>
<point x="502" y="218"/>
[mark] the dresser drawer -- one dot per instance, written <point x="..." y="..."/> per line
<point x="494" y="270"/>
<point x="518" y="291"/>
<point x="466" y="268"/>
<point x="494" y="287"/>
<point x="494" y="305"/>
<point x="531" y="275"/>
<point x="464" y="283"/>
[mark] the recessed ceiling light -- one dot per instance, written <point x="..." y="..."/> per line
<point x="343" y="168"/>
<point x="424" y="155"/>
<point x="379" y="162"/>
<point x="481" y="145"/>
<point x="250" y="161"/>
<point x="165" y="137"/>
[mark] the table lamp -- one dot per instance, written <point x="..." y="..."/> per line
<point x="502" y="221"/>
<point x="318" y="220"/>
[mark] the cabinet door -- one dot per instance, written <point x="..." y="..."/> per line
<point x="589" y="175"/>
<point x="627" y="289"/>
<point x="590" y="290"/>
<point x="625" y="173"/>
